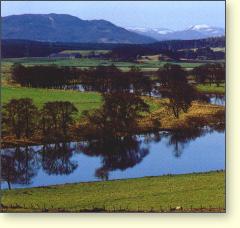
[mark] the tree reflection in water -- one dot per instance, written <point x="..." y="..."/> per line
<point x="179" y="139"/>
<point x="116" y="153"/>
<point x="56" y="159"/>
<point x="19" y="165"/>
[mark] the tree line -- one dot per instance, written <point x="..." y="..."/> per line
<point x="22" y="119"/>
<point x="50" y="76"/>
<point x="55" y="120"/>
<point x="26" y="48"/>
<point x="100" y="78"/>
<point x="110" y="78"/>
<point x="211" y="73"/>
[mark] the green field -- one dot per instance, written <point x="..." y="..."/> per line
<point x="85" y="52"/>
<point x="218" y="49"/>
<point x="207" y="88"/>
<point x="206" y="190"/>
<point x="213" y="48"/>
<point x="146" y="66"/>
<point x="85" y="62"/>
<point x="82" y="100"/>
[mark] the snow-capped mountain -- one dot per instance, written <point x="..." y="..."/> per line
<point x="156" y="33"/>
<point x="193" y="32"/>
<point x="208" y="30"/>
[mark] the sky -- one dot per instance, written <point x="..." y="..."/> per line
<point x="174" y="15"/>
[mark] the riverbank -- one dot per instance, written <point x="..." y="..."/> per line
<point x="160" y="119"/>
<point x="199" y="115"/>
<point x="187" y="192"/>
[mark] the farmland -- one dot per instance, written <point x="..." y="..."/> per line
<point x="85" y="63"/>
<point x="82" y="100"/>
<point x="85" y="52"/>
<point x="213" y="88"/>
<point x="150" y="194"/>
<point x="145" y="66"/>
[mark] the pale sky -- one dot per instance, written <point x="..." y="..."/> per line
<point x="174" y="15"/>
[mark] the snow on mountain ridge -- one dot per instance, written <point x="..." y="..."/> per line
<point x="199" y="27"/>
<point x="193" y="32"/>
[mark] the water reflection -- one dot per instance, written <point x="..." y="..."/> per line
<point x="19" y="165"/>
<point x="178" y="140"/>
<point x="115" y="153"/>
<point x="214" y="98"/>
<point x="114" y="158"/>
<point x="56" y="159"/>
<point x="217" y="99"/>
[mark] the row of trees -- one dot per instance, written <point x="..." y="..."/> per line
<point x="21" y="118"/>
<point x="212" y="73"/>
<point x="119" y="113"/>
<point x="110" y="78"/>
<point x="43" y="76"/>
<point x="101" y="78"/>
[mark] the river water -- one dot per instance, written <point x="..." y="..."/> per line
<point x="96" y="160"/>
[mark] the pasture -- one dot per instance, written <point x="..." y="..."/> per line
<point x="145" y="66"/>
<point x="213" y="88"/>
<point x="148" y="194"/>
<point x="87" y="62"/>
<point x="82" y="100"/>
<point x="85" y="52"/>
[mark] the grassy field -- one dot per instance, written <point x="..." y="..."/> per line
<point x="205" y="190"/>
<point x="85" y="62"/>
<point x="213" y="48"/>
<point x="85" y="52"/>
<point x="218" y="49"/>
<point x="206" y="88"/>
<point x="148" y="65"/>
<point x="82" y="100"/>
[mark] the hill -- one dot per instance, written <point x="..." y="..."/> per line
<point x="66" y="28"/>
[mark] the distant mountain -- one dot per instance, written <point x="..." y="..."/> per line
<point x="67" y="28"/>
<point x="156" y="33"/>
<point x="207" y="30"/>
<point x="193" y="32"/>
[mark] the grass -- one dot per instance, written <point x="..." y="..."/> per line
<point x="82" y="100"/>
<point x="218" y="49"/>
<point x="146" y="66"/>
<point x="85" y="52"/>
<point x="6" y="73"/>
<point x="213" y="48"/>
<point x="85" y="62"/>
<point x="203" y="190"/>
<point x="207" y="88"/>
